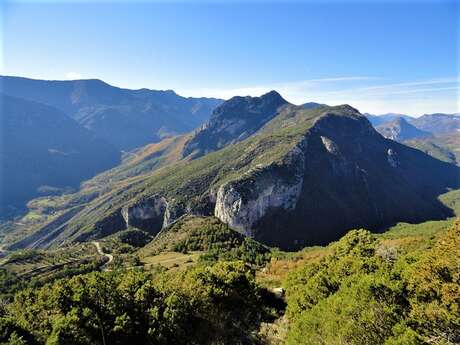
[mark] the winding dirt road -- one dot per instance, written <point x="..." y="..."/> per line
<point x="101" y="252"/>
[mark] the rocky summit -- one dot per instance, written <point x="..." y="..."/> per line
<point x="234" y="121"/>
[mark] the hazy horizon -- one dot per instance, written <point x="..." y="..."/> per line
<point x="241" y="95"/>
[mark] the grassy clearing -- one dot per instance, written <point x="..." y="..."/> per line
<point x="171" y="259"/>
<point x="281" y="263"/>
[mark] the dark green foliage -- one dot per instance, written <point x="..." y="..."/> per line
<point x="135" y="238"/>
<point x="11" y="333"/>
<point x="247" y="250"/>
<point x="193" y="307"/>
<point x="216" y="239"/>
<point x="9" y="284"/>
<point x="226" y="299"/>
<point x="101" y="308"/>
<point x="40" y="272"/>
<point x="359" y="294"/>
<point x="24" y="255"/>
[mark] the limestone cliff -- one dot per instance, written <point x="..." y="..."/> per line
<point x="242" y="203"/>
<point x="147" y="214"/>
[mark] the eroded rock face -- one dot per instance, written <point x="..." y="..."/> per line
<point x="147" y="214"/>
<point x="243" y="203"/>
<point x="330" y="146"/>
<point x="233" y="121"/>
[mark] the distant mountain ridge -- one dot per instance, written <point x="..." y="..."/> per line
<point x="438" y="123"/>
<point x="400" y="129"/>
<point x="434" y="134"/>
<point x="125" y="118"/>
<point x="377" y="120"/>
<point x="42" y="150"/>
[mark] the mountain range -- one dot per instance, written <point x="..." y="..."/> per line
<point x="286" y="175"/>
<point x="57" y="134"/>
<point x="400" y="129"/>
<point x="125" y="118"/>
<point x="43" y="151"/>
<point x="435" y="134"/>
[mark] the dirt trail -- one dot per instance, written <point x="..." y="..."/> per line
<point x="101" y="252"/>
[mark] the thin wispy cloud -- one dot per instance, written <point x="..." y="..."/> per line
<point x="367" y="93"/>
<point x="394" y="88"/>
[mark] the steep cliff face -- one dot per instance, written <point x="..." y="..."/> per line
<point x="150" y="214"/>
<point x="147" y="214"/>
<point x="276" y="187"/>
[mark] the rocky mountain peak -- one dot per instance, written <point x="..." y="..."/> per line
<point x="239" y="106"/>
<point x="233" y="121"/>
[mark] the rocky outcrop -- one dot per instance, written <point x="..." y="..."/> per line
<point x="330" y="146"/>
<point x="172" y="213"/>
<point x="108" y="225"/>
<point x="233" y="121"/>
<point x="150" y="214"/>
<point x="392" y="158"/>
<point x="147" y="214"/>
<point x="243" y="203"/>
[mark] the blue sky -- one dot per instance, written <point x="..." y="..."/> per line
<point x="379" y="56"/>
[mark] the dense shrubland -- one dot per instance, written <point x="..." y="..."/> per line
<point x="393" y="289"/>
<point x="213" y="238"/>
<point x="194" y="307"/>
<point x="363" y="292"/>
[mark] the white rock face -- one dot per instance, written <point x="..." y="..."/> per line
<point x="147" y="209"/>
<point x="392" y="158"/>
<point x="242" y="203"/>
<point x="172" y="213"/>
<point x="330" y="146"/>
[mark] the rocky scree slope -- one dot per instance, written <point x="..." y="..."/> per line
<point x="305" y="177"/>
